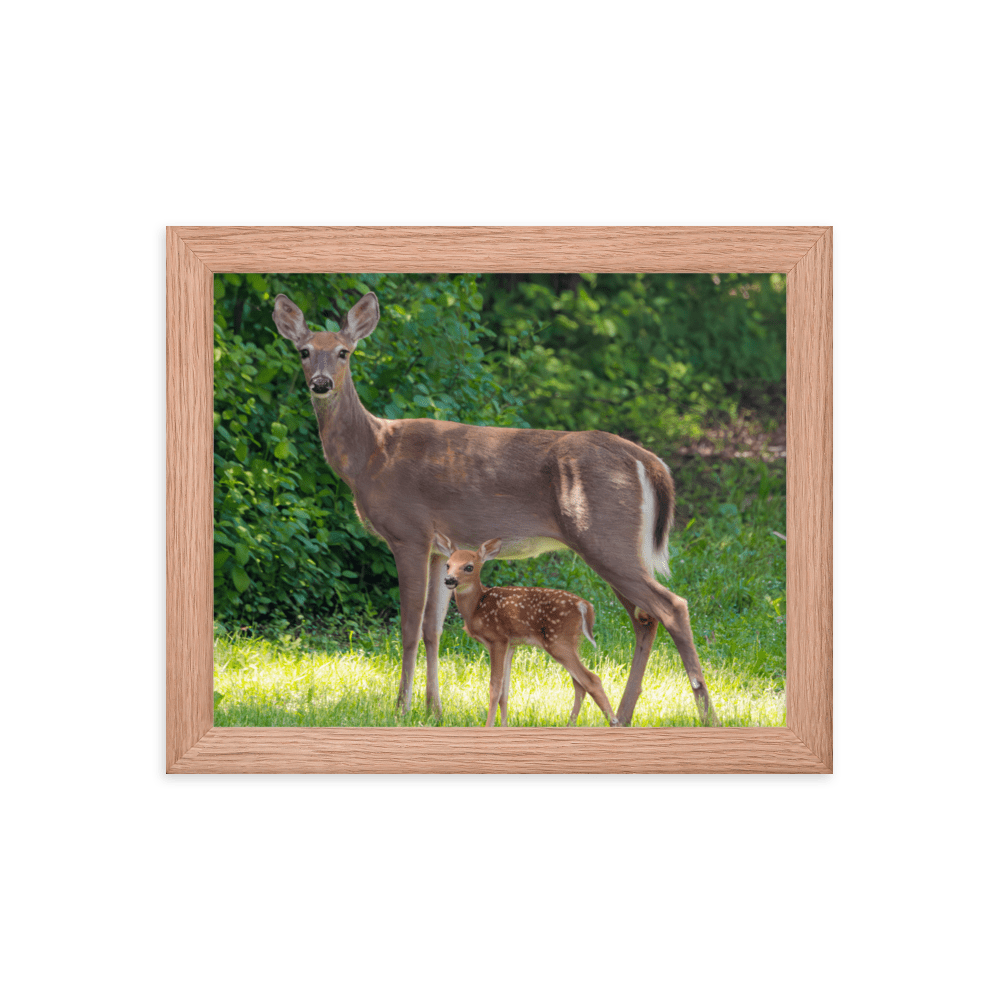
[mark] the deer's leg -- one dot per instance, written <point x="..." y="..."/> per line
<point x="570" y="659"/>
<point x="644" y="627"/>
<point x="684" y="641"/>
<point x="578" y="692"/>
<point x="672" y="611"/>
<point x="498" y="655"/>
<point x="505" y="689"/>
<point x="435" y="609"/>
<point x="411" y="565"/>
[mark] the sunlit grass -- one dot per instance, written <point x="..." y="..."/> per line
<point x="283" y="683"/>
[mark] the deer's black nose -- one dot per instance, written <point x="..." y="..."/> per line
<point x="320" y="385"/>
<point x="450" y="581"/>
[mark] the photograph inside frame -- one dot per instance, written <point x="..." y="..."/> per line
<point x="473" y="499"/>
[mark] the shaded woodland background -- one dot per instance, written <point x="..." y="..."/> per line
<point x="690" y="366"/>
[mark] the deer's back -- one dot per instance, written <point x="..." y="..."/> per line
<point x="527" y="614"/>
<point x="544" y="487"/>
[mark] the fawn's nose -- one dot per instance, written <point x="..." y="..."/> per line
<point x="320" y="385"/>
<point x="450" y="582"/>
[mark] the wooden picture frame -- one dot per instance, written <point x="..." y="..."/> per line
<point x="195" y="254"/>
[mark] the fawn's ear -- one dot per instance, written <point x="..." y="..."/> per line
<point x="489" y="550"/>
<point x="443" y="544"/>
<point x="362" y="319"/>
<point x="289" y="320"/>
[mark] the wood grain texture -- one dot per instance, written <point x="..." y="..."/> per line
<point x="522" y="249"/>
<point x="295" y="750"/>
<point x="189" y="498"/>
<point x="194" y="253"/>
<point x="809" y="686"/>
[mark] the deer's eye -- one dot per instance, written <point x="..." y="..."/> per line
<point x="468" y="569"/>
<point x="303" y="353"/>
<point x="343" y="353"/>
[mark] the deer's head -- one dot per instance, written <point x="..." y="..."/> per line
<point x="464" y="565"/>
<point x="326" y="356"/>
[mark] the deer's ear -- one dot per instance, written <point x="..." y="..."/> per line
<point x="289" y="320"/>
<point x="363" y="318"/>
<point x="443" y="544"/>
<point x="489" y="550"/>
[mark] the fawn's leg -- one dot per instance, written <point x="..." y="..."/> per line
<point x="578" y="693"/>
<point x="566" y="654"/>
<point x="506" y="684"/>
<point x="498" y="654"/>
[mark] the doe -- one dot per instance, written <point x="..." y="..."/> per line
<point x="502" y="618"/>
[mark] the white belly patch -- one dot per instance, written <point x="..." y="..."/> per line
<point x="527" y="548"/>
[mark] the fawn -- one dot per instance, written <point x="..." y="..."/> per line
<point x="502" y="618"/>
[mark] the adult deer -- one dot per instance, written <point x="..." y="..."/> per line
<point x="502" y="618"/>
<point x="605" y="498"/>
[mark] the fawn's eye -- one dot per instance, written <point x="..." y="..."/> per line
<point x="303" y="353"/>
<point x="468" y="569"/>
<point x="343" y="353"/>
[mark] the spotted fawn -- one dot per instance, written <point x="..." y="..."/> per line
<point x="502" y="618"/>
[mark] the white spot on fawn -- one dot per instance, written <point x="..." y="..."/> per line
<point x="586" y="631"/>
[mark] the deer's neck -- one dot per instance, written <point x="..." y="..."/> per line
<point x="348" y="432"/>
<point x="468" y="600"/>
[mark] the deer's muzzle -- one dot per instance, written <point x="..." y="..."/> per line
<point x="321" y="385"/>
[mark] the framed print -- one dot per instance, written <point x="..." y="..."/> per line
<point x="199" y="262"/>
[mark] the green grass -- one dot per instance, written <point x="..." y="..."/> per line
<point x="273" y="683"/>
<point x="726" y="561"/>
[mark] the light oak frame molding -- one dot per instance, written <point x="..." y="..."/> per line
<point x="196" y="253"/>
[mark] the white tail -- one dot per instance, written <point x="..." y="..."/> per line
<point x="502" y="618"/>
<point x="607" y="499"/>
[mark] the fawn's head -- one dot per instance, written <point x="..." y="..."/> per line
<point x="464" y="565"/>
<point x="325" y="355"/>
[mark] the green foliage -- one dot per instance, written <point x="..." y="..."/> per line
<point x="654" y="357"/>
<point x="288" y="545"/>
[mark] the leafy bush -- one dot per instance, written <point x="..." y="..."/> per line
<point x="288" y="544"/>
<point x="654" y="357"/>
